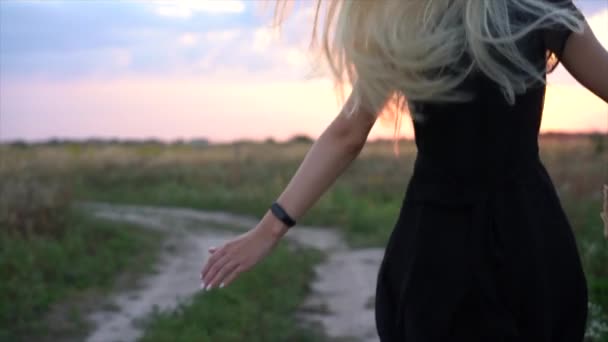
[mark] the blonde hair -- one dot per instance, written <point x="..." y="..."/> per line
<point x="396" y="51"/>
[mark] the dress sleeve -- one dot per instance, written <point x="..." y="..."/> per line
<point x="555" y="37"/>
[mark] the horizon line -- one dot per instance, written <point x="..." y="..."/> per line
<point x="270" y="139"/>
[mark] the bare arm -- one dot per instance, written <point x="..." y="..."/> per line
<point x="587" y="61"/>
<point x="329" y="156"/>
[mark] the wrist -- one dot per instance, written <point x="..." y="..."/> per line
<point x="279" y="212"/>
<point x="273" y="226"/>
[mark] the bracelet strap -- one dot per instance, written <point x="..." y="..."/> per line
<point x="282" y="215"/>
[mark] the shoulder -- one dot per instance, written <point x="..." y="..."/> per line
<point x="555" y="35"/>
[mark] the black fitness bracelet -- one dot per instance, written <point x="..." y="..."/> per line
<point x="282" y="215"/>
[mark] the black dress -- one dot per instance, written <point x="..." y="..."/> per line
<point x="482" y="249"/>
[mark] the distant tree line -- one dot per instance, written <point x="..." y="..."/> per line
<point x="599" y="140"/>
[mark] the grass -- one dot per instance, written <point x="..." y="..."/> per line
<point x="218" y="178"/>
<point x="39" y="271"/>
<point x="257" y="306"/>
<point x="593" y="249"/>
<point x="246" y="177"/>
<point x="57" y="262"/>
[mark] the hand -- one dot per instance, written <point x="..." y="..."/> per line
<point x="237" y="255"/>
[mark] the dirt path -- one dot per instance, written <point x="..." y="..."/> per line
<point x="342" y="293"/>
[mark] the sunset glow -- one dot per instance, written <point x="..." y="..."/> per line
<point x="221" y="83"/>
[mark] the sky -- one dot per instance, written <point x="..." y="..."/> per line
<point x="186" y="69"/>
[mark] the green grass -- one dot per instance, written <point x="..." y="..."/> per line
<point x="593" y="249"/>
<point x="42" y="270"/>
<point x="364" y="202"/>
<point x="257" y="306"/>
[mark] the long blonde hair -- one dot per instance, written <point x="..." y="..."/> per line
<point x="395" y="51"/>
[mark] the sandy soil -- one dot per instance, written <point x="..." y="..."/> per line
<point x="342" y="294"/>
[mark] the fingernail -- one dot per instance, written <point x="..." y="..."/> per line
<point x="221" y="285"/>
<point x="202" y="286"/>
<point x="208" y="287"/>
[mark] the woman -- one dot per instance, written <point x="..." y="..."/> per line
<point x="482" y="249"/>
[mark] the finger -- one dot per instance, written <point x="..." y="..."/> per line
<point x="214" y="273"/>
<point x="211" y="261"/>
<point x="231" y="276"/>
<point x="221" y="274"/>
<point x="215" y="268"/>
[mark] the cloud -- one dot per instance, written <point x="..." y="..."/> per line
<point x="263" y="37"/>
<point x="186" y="8"/>
<point x="119" y="68"/>
<point x="122" y="57"/>
<point x="174" y="12"/>
<point x="590" y="7"/>
<point x="222" y="36"/>
<point x="188" y="39"/>
<point x="78" y="39"/>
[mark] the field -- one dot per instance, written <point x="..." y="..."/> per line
<point x="39" y="231"/>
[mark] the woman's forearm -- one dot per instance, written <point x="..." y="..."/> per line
<point x="328" y="157"/>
